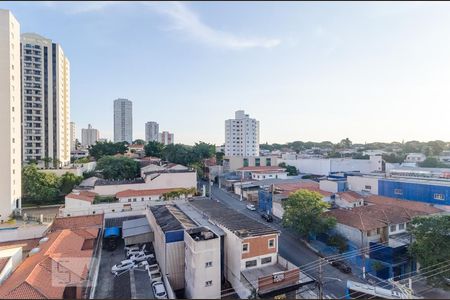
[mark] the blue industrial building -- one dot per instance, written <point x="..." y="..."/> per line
<point x="431" y="192"/>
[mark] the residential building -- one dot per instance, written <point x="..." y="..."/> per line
<point x="232" y="163"/>
<point x="151" y="132"/>
<point x="415" y="157"/>
<point x="241" y="135"/>
<point x="123" y="120"/>
<point x="166" y="138"/>
<point x="45" y="100"/>
<point x="445" y="156"/>
<point x="262" y="172"/>
<point x="10" y="110"/>
<point x="73" y="137"/>
<point x="89" y="136"/>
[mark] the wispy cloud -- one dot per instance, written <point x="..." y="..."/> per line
<point x="185" y="20"/>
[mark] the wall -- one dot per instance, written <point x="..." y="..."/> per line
<point x="175" y="265"/>
<point x="316" y="166"/>
<point x="359" y="183"/>
<point x="258" y="249"/>
<point x="76" y="204"/>
<point x="15" y="258"/>
<point x="329" y="186"/>
<point x="197" y="254"/>
<point x="414" y="191"/>
<point x="262" y="176"/>
<point x="277" y="209"/>
<point x="236" y="162"/>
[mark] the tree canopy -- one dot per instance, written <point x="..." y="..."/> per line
<point x="101" y="149"/>
<point x="292" y="171"/>
<point x="154" y="149"/>
<point x="113" y="167"/>
<point x="139" y="142"/>
<point x="431" y="244"/>
<point x="431" y="162"/>
<point x="303" y="212"/>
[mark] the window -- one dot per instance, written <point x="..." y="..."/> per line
<point x="401" y="226"/>
<point x="398" y="192"/>
<point x="272" y="243"/>
<point x="208" y="283"/>
<point x="378" y="230"/>
<point x="268" y="161"/>
<point x="208" y="264"/>
<point x="245" y="247"/>
<point x="439" y="197"/>
<point x="367" y="187"/>
<point x="266" y="260"/>
<point x="250" y="263"/>
<point x="257" y="162"/>
<point x="245" y="162"/>
<point x="393" y="228"/>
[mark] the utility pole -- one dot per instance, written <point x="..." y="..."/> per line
<point x="320" y="279"/>
<point x="363" y="263"/>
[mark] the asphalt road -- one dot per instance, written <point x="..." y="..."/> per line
<point x="293" y="249"/>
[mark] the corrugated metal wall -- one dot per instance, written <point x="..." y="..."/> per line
<point x="414" y="191"/>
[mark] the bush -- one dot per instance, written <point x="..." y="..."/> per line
<point x="104" y="199"/>
<point x="339" y="242"/>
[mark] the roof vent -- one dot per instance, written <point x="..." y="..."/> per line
<point x="34" y="251"/>
<point x="43" y="240"/>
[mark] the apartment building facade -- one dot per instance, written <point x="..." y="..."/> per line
<point x="241" y="135"/>
<point x="123" y="120"/>
<point x="89" y="136"/>
<point x="166" y="138"/>
<point x="45" y="100"/>
<point x="73" y="136"/>
<point x="151" y="132"/>
<point x="10" y="110"/>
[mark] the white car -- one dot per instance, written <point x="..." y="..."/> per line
<point x="132" y="252"/>
<point x="251" y="207"/>
<point x="159" y="290"/>
<point x="123" y="266"/>
<point x="141" y="257"/>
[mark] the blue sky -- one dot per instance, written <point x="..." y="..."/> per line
<point x="307" y="70"/>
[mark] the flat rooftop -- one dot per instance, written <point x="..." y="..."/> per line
<point x="253" y="274"/>
<point x="199" y="218"/>
<point x="238" y="223"/>
<point x="201" y="234"/>
<point x="170" y="217"/>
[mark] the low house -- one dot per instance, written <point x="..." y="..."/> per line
<point x="348" y="199"/>
<point x="148" y="195"/>
<point x="415" y="157"/>
<point x="79" y="199"/>
<point x="262" y="172"/>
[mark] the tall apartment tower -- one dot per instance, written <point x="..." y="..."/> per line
<point x="10" y="111"/>
<point x="241" y="135"/>
<point x="123" y="120"/>
<point x="45" y="100"/>
<point x="73" y="136"/>
<point x="151" y="131"/>
<point x="166" y="138"/>
<point x="89" y="136"/>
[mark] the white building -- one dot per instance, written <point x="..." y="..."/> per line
<point x="415" y="157"/>
<point x="10" y="110"/>
<point x="45" y="100"/>
<point x="241" y="135"/>
<point x="123" y="120"/>
<point x="73" y="136"/>
<point x="166" y="138"/>
<point x="89" y="136"/>
<point x="151" y="132"/>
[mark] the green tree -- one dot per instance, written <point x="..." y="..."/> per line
<point x="68" y="181"/>
<point x="219" y="158"/>
<point x="431" y="162"/>
<point x="39" y="187"/>
<point x="292" y="171"/>
<point x="139" y="142"/>
<point x="154" y="149"/>
<point x="303" y="212"/>
<point x="179" y="154"/>
<point x="202" y="151"/>
<point x="118" y="167"/>
<point x="393" y="158"/>
<point x="56" y="163"/>
<point x="47" y="161"/>
<point x="101" y="149"/>
<point x="431" y="241"/>
<point x="345" y="143"/>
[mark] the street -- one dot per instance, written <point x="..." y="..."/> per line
<point x="291" y="248"/>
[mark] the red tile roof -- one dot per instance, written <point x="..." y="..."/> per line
<point x="350" y="196"/>
<point x="90" y="222"/>
<point x="3" y="262"/>
<point x="140" y="193"/>
<point x="36" y="277"/>
<point x="414" y="205"/>
<point x="83" y="195"/>
<point x="261" y="168"/>
<point x="26" y="245"/>
<point x="287" y="188"/>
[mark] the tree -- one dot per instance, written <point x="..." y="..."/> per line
<point x="292" y="171"/>
<point x="139" y="142"/>
<point x="431" y="162"/>
<point x="118" y="167"/>
<point x="101" y="149"/>
<point x="393" y="158"/>
<point x="56" y="163"/>
<point x="431" y="241"/>
<point x="345" y="143"/>
<point x="219" y="158"/>
<point x="303" y="212"/>
<point x="68" y="181"/>
<point x="202" y="151"/>
<point x="47" y="161"/>
<point x="154" y="149"/>
<point x="39" y="187"/>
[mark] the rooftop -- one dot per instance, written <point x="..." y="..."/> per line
<point x="201" y="234"/>
<point x="236" y="222"/>
<point x="350" y="196"/>
<point x="414" y="205"/>
<point x="135" y="227"/>
<point x="115" y="182"/>
<point x="170" y="217"/>
<point x="93" y="221"/>
<point x="139" y="193"/>
<point x="262" y="169"/>
<point x="83" y="195"/>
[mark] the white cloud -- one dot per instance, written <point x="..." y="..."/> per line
<point x="184" y="19"/>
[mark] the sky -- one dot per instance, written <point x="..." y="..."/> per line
<point x="310" y="71"/>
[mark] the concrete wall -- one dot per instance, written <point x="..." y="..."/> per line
<point x="15" y="258"/>
<point x="76" y="204"/>
<point x="174" y="264"/>
<point x="316" y="166"/>
<point x="262" y="176"/>
<point x="360" y="183"/>
<point x="198" y="253"/>
<point x="354" y="235"/>
<point x="277" y="209"/>
<point x="236" y="162"/>
<point x="329" y="186"/>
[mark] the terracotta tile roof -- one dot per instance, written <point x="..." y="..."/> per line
<point x="3" y="262"/>
<point x="36" y="278"/>
<point x="140" y="193"/>
<point x="79" y="222"/>
<point x="414" y="205"/>
<point x="83" y="195"/>
<point x="26" y="245"/>
<point x="350" y="196"/>
<point x="354" y="219"/>
<point x="287" y="188"/>
<point x="269" y="171"/>
<point x="136" y="146"/>
<point x="261" y="168"/>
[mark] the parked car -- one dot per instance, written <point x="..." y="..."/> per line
<point x="141" y="257"/>
<point x="251" y="207"/>
<point x="267" y="217"/>
<point x="122" y="266"/>
<point x="159" y="290"/>
<point x="135" y="252"/>
<point x="132" y="248"/>
<point x="341" y="266"/>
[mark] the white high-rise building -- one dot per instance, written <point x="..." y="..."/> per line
<point x="73" y="136"/>
<point x="166" y="138"/>
<point x="45" y="100"/>
<point x="241" y="135"/>
<point x="10" y="111"/>
<point x="123" y="120"/>
<point x="89" y="136"/>
<point x="151" y="131"/>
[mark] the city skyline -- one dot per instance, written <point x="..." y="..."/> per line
<point x="391" y="58"/>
